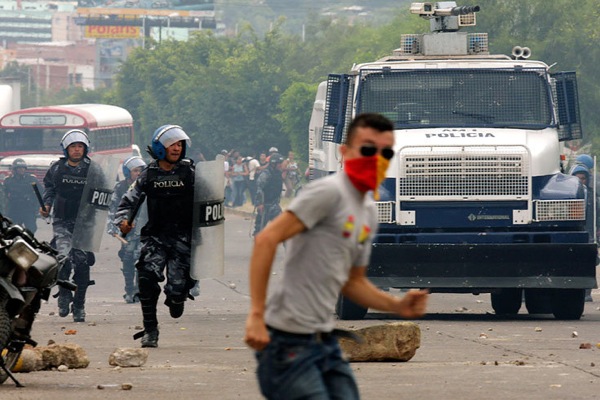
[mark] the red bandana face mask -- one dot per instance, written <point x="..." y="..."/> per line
<point x="366" y="173"/>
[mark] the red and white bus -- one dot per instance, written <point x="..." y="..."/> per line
<point x="39" y="130"/>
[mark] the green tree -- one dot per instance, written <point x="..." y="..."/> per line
<point x="296" y="106"/>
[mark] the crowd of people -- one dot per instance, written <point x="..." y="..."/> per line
<point x="242" y="172"/>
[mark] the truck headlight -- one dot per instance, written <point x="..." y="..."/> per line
<point x="22" y="254"/>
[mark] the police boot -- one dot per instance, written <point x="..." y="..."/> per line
<point x="150" y="338"/>
<point x="78" y="313"/>
<point x="79" y="305"/>
<point x="131" y="294"/>
<point x="65" y="297"/>
<point x="175" y="307"/>
<point x="195" y="291"/>
<point x="130" y="297"/>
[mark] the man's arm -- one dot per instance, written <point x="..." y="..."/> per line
<point x="49" y="189"/>
<point x="127" y="203"/>
<point x="33" y="202"/>
<point x="280" y="229"/>
<point x="361" y="291"/>
<point x="115" y="200"/>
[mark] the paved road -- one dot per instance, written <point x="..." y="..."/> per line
<point x="202" y="356"/>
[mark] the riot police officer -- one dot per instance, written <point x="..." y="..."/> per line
<point x="268" y="192"/>
<point x="168" y="183"/>
<point x="64" y="183"/>
<point x="21" y="204"/>
<point x="129" y="253"/>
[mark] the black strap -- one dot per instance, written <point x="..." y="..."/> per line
<point x="139" y="335"/>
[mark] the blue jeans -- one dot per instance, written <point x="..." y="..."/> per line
<point x="292" y="367"/>
<point x="238" y="197"/>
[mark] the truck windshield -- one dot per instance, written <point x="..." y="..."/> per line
<point x="458" y="97"/>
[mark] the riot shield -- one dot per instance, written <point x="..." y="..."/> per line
<point x="140" y="220"/>
<point x="95" y="200"/>
<point x="208" y="234"/>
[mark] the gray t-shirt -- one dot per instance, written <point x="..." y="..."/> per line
<point x="340" y="226"/>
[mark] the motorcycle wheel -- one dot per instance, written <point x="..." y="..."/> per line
<point x="10" y="357"/>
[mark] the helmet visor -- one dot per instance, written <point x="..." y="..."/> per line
<point x="134" y="162"/>
<point x="173" y="135"/>
<point x="74" y="136"/>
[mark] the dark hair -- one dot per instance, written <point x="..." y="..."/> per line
<point x="369" y="120"/>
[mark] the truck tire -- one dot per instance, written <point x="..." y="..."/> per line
<point x="507" y="301"/>
<point x="568" y="304"/>
<point x="348" y="310"/>
<point x="538" y="301"/>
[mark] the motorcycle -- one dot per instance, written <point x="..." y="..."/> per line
<point x="28" y="271"/>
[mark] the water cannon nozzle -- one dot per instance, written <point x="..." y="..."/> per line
<point x="463" y="10"/>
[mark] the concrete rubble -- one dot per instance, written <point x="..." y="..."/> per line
<point x="128" y="357"/>
<point x="53" y="356"/>
<point x="397" y="341"/>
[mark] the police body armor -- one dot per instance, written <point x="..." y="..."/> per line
<point x="272" y="189"/>
<point x="69" y="183"/>
<point x="169" y="199"/>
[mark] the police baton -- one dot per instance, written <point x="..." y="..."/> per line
<point x="36" y="190"/>
<point x="133" y="213"/>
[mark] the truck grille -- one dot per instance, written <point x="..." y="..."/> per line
<point x="384" y="212"/>
<point x="560" y="210"/>
<point x="464" y="173"/>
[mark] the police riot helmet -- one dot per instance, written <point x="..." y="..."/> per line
<point x="586" y="160"/>
<point x="275" y="159"/>
<point x="75" y="136"/>
<point x="19" y="163"/>
<point x="131" y="163"/>
<point x="165" y="136"/>
<point x="580" y="168"/>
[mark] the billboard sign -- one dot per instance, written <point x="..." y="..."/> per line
<point x="112" y="32"/>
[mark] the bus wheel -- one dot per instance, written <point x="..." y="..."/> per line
<point x="568" y="303"/>
<point x="538" y="301"/>
<point x="346" y="309"/>
<point x="507" y="301"/>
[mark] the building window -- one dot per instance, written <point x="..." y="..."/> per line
<point x="75" y="79"/>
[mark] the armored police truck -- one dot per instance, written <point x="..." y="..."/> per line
<point x="474" y="200"/>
